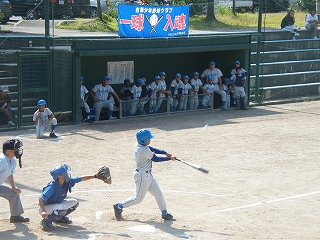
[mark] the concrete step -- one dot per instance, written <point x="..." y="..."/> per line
<point x="286" y="67"/>
<point x="271" y="35"/>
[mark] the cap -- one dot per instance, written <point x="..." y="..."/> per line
<point x="196" y="74"/>
<point x="4" y="89"/>
<point x="81" y="78"/>
<point x="186" y="77"/>
<point x="140" y="80"/>
<point x="178" y="75"/>
<point x="126" y="80"/>
<point x="157" y="78"/>
<point x="212" y="63"/>
<point x="237" y="62"/>
<point x="8" y="145"/>
<point x="227" y="80"/>
<point x="162" y="74"/>
<point x="105" y="78"/>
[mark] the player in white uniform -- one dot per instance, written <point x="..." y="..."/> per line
<point x="185" y="93"/>
<point x="208" y="93"/>
<point x="154" y="87"/>
<point x="234" y="72"/>
<point x="227" y="88"/>
<point x="175" y="85"/>
<point x="144" y="180"/>
<point x="84" y="97"/>
<point x="44" y="119"/>
<point x="136" y="96"/>
<point x="214" y="73"/>
<point x="195" y="83"/>
<point x="99" y="94"/>
<point x="162" y="91"/>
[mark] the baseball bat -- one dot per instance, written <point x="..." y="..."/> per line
<point x="194" y="166"/>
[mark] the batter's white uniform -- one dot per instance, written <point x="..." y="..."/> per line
<point x="43" y="117"/>
<point x="194" y="99"/>
<point x="214" y="75"/>
<point x="145" y="182"/>
<point x="101" y="93"/>
<point x="83" y="92"/>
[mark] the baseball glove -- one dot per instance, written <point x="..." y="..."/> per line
<point x="104" y="174"/>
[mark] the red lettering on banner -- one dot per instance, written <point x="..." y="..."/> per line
<point x="179" y="22"/>
<point x="137" y="22"/>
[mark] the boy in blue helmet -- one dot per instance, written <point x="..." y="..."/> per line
<point x="44" y="119"/>
<point x="145" y="182"/>
<point x="53" y="205"/>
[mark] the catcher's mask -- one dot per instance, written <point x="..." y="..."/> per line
<point x="61" y="170"/>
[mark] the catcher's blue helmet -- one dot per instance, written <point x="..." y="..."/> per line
<point x="59" y="171"/>
<point x="140" y="80"/>
<point x="143" y="135"/>
<point x="41" y="102"/>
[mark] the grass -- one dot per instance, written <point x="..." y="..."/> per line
<point x="224" y="21"/>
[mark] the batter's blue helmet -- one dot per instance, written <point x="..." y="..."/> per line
<point x="143" y="135"/>
<point x="162" y="74"/>
<point x="41" y="102"/>
<point x="140" y="80"/>
<point x="196" y="74"/>
<point x="60" y="171"/>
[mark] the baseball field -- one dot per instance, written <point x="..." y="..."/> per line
<point x="263" y="181"/>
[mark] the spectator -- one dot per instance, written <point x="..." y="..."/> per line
<point x="287" y="24"/>
<point x="99" y="94"/>
<point x="215" y="74"/>
<point x="5" y="105"/>
<point x="84" y="93"/>
<point x="312" y="23"/>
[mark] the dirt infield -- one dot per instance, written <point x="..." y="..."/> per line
<point x="263" y="181"/>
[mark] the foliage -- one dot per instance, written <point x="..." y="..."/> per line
<point x="224" y="10"/>
<point x="307" y="5"/>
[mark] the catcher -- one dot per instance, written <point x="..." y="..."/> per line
<point x="53" y="205"/>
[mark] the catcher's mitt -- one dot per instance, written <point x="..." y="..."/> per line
<point x="104" y="174"/>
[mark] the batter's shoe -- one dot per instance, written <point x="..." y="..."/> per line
<point x="16" y="219"/>
<point x="46" y="226"/>
<point x="168" y="216"/>
<point x="52" y="135"/>
<point x="117" y="212"/>
<point x="65" y="220"/>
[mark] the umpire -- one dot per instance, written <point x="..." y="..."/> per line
<point x="11" y="149"/>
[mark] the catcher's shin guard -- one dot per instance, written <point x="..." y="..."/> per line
<point x="243" y="103"/>
<point x="238" y="106"/>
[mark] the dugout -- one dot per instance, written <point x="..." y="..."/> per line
<point x="150" y="56"/>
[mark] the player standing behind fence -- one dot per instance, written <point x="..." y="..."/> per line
<point x="233" y="72"/>
<point x="100" y="94"/>
<point x="144" y="180"/>
<point x="136" y="96"/>
<point x="84" y="93"/>
<point x="227" y="87"/>
<point x="239" y="84"/>
<point x="175" y="96"/>
<point x="154" y="87"/>
<point x="125" y="96"/>
<point x="195" y="83"/>
<point x="208" y="90"/>
<point x="185" y="93"/>
<point x="44" y="119"/>
<point x="162" y="91"/>
<point x="215" y="74"/>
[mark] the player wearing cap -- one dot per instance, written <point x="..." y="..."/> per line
<point x="208" y="90"/>
<point x="175" y="85"/>
<point x="155" y="86"/>
<point x="11" y="150"/>
<point x="53" y="205"/>
<point x="227" y="87"/>
<point x="84" y="93"/>
<point x="44" y="119"/>
<point x="5" y="105"/>
<point x="234" y="72"/>
<point x="163" y="92"/>
<point x="196" y="84"/>
<point x="125" y="93"/>
<point x="100" y="94"/>
<point x="215" y="74"/>
<point x="136" y="96"/>
<point x="239" y="81"/>
<point x="145" y="182"/>
<point x="185" y="93"/>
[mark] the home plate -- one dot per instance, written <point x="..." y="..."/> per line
<point x="143" y="228"/>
